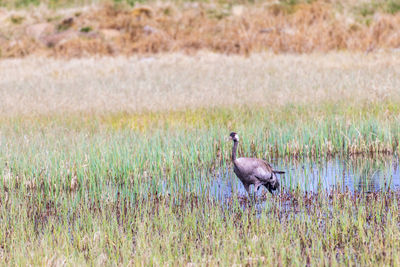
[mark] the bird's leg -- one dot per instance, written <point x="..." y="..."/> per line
<point x="246" y="186"/>
<point x="256" y="188"/>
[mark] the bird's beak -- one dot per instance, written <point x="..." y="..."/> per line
<point x="227" y="139"/>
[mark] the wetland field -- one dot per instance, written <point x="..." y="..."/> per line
<point x="124" y="161"/>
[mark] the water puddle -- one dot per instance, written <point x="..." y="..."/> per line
<point x="359" y="174"/>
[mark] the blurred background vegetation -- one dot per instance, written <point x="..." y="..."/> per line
<point x="363" y="7"/>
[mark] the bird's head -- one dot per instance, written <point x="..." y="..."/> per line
<point x="273" y="182"/>
<point x="234" y="137"/>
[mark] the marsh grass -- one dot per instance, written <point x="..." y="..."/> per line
<point x="334" y="228"/>
<point x="141" y="196"/>
<point x="109" y="161"/>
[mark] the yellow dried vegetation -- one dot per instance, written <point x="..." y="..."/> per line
<point x="167" y="27"/>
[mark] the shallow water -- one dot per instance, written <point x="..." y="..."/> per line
<point x="354" y="174"/>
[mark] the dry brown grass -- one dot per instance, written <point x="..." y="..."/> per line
<point x="175" y="82"/>
<point x="188" y="28"/>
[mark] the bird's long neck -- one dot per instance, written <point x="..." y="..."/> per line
<point x="234" y="149"/>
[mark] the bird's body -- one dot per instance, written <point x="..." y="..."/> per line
<point x="253" y="171"/>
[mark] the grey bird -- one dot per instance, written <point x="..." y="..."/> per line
<point x="253" y="171"/>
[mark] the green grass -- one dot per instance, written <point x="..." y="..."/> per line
<point x="119" y="228"/>
<point x="364" y="8"/>
<point x="369" y="8"/>
<point x="139" y="171"/>
<point x="137" y="200"/>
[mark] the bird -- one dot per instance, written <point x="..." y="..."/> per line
<point x="253" y="171"/>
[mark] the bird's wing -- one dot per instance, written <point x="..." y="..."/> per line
<point x="264" y="172"/>
<point x="269" y="167"/>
